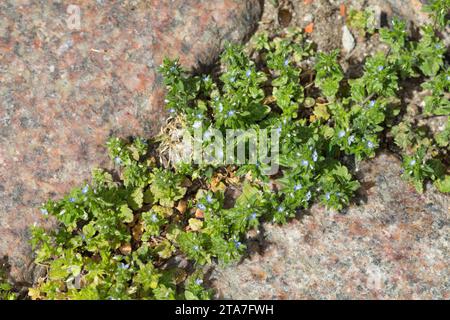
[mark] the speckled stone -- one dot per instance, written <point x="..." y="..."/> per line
<point x="393" y="246"/>
<point x="64" y="91"/>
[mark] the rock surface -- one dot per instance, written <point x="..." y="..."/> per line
<point x="65" y="87"/>
<point x="348" y="42"/>
<point x="394" y="246"/>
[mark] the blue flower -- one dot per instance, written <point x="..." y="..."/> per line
<point x="197" y="124"/>
<point x="315" y="156"/>
<point x="253" y="216"/>
<point x="171" y="110"/>
<point x="448" y="78"/>
<point x="248" y="73"/>
<point x="206" y="78"/>
<point x="232" y="79"/>
<point x="380" y="68"/>
<point x="220" y="107"/>
<point x="207" y="135"/>
<point x="308" y="196"/>
<point x="123" y="266"/>
<point x="372" y="103"/>
<point x="297" y="187"/>
<point x="198" y="281"/>
<point x="231" y="113"/>
<point x="209" y="199"/>
<point x="117" y="160"/>
<point x="305" y="163"/>
<point x="237" y="244"/>
<point x="370" y="144"/>
<point x="44" y="211"/>
<point x="279" y="130"/>
<point x="437" y="46"/>
<point x="341" y="134"/>
<point x="196" y="248"/>
<point x="201" y="206"/>
<point x="327" y="196"/>
<point x="351" y="139"/>
<point x="412" y="162"/>
<point x="199" y="116"/>
<point x="280" y="209"/>
<point x="85" y="189"/>
<point x="154" y="218"/>
<point x="286" y="62"/>
<point x="72" y="199"/>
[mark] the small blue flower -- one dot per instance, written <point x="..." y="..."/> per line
<point x="315" y="156"/>
<point x="197" y="124"/>
<point x="237" y="244"/>
<point x="305" y="163"/>
<point x="206" y="78"/>
<point x="308" y="196"/>
<point x="248" y="73"/>
<point x="286" y="62"/>
<point x="279" y="130"/>
<point x="327" y="196"/>
<point x="412" y="162"/>
<point x="437" y="46"/>
<point x="199" y="116"/>
<point x="341" y="134"/>
<point x="220" y="107"/>
<point x="201" y="206"/>
<point x="207" y="135"/>
<point x="380" y="68"/>
<point x="172" y="68"/>
<point x="232" y="79"/>
<point x="448" y="78"/>
<point x="44" y="211"/>
<point x="372" y="103"/>
<point x="198" y="281"/>
<point x="297" y="187"/>
<point x="123" y="266"/>
<point x="171" y="110"/>
<point x="72" y="199"/>
<point x="253" y="216"/>
<point x="351" y="139"/>
<point x="85" y="189"/>
<point x="280" y="209"/>
<point x="209" y="199"/>
<point x="196" y="248"/>
<point x="117" y="160"/>
<point x="370" y="144"/>
<point x="231" y="113"/>
<point x="154" y="218"/>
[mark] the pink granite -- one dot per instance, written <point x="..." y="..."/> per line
<point x="392" y="244"/>
<point x="63" y="91"/>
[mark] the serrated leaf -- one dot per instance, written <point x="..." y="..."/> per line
<point x="126" y="214"/>
<point x="321" y="112"/>
<point x="136" y="199"/>
<point x="195" y="224"/>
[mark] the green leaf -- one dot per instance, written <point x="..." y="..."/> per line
<point x="126" y="214"/>
<point x="443" y="184"/>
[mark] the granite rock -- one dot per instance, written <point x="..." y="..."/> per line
<point x="72" y="75"/>
<point x="394" y="244"/>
